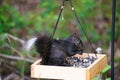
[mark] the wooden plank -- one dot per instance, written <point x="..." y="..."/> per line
<point x="69" y="73"/>
<point x="33" y="68"/>
<point x="55" y="72"/>
<point x="96" y="67"/>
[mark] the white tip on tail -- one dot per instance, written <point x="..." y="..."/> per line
<point x="29" y="43"/>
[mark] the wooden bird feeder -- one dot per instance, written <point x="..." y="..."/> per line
<point x="69" y="73"/>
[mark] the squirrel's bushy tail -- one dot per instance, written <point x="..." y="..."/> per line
<point x="43" y="46"/>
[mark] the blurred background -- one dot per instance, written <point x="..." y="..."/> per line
<point x="20" y="20"/>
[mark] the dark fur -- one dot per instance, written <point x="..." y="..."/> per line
<point x="54" y="52"/>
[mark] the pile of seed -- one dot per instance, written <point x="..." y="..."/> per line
<point x="80" y="62"/>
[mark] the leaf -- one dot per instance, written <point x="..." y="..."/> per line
<point x="108" y="67"/>
<point x="95" y="78"/>
<point x="108" y="79"/>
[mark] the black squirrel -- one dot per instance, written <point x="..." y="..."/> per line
<point x="55" y="51"/>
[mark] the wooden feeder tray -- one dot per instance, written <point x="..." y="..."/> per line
<point x="69" y="73"/>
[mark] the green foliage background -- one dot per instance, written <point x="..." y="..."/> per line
<point x="42" y="15"/>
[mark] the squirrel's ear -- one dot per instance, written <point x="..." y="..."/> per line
<point x="74" y="36"/>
